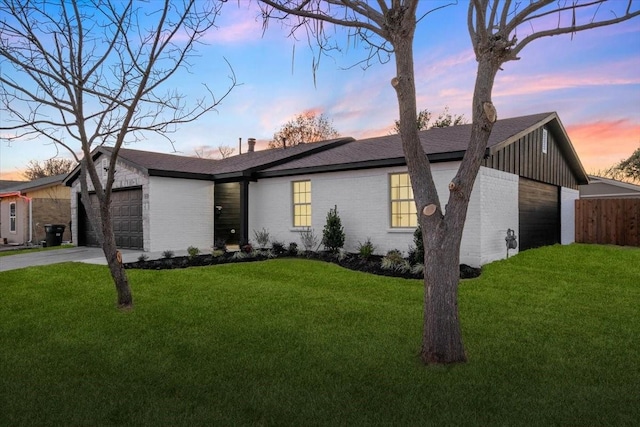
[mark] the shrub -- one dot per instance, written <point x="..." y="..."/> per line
<point x="240" y="255"/>
<point x="277" y="247"/>
<point x="418" y="268"/>
<point x="167" y="254"/>
<point x="333" y="233"/>
<point x="293" y="249"/>
<point x="416" y="254"/>
<point x="366" y="249"/>
<point x="309" y="239"/>
<point x="247" y="248"/>
<point x="220" y="244"/>
<point x="262" y="237"/>
<point x="143" y="257"/>
<point x="193" y="252"/>
<point x="395" y="261"/>
<point x="217" y="253"/>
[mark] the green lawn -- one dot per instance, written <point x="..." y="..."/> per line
<point x="552" y="335"/>
<point x="29" y="250"/>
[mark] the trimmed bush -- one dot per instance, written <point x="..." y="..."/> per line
<point x="333" y="234"/>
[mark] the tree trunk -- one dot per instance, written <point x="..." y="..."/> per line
<point x="101" y="222"/>
<point x="118" y="273"/>
<point x="442" y="338"/>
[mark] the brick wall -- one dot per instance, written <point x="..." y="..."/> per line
<point x="362" y="198"/>
<point x="50" y="211"/>
<point x="180" y="214"/>
<point x="499" y="212"/>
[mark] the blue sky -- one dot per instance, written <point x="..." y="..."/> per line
<point x="591" y="79"/>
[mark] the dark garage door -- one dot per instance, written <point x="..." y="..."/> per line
<point x="539" y="214"/>
<point x="126" y="210"/>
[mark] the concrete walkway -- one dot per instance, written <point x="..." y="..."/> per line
<point x="76" y="254"/>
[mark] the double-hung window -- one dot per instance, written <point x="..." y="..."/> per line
<point x="12" y="217"/>
<point x="403" y="207"/>
<point x="301" y="203"/>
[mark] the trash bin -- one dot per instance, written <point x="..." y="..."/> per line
<point x="54" y="234"/>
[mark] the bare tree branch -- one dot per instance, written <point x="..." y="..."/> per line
<point x="82" y="74"/>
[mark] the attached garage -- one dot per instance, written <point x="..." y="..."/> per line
<point x="539" y="214"/>
<point x="126" y="209"/>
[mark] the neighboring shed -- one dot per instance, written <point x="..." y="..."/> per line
<point x="605" y="188"/>
<point x="27" y="206"/>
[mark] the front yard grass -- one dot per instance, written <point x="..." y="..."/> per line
<point x="552" y="335"/>
<point x="9" y="252"/>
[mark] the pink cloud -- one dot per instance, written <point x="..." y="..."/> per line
<point x="604" y="143"/>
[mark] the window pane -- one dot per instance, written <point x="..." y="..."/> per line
<point x="403" y="210"/>
<point x="301" y="203"/>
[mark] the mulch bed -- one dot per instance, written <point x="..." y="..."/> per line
<point x="351" y="261"/>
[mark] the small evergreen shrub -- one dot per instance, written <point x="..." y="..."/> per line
<point x="293" y="249"/>
<point x="262" y="237"/>
<point x="167" y="254"/>
<point x="416" y="254"/>
<point x="366" y="249"/>
<point x="143" y="257"/>
<point x="333" y="234"/>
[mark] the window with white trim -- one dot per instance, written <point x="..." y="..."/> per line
<point x="301" y="203"/>
<point x="403" y="207"/>
<point x="12" y="217"/>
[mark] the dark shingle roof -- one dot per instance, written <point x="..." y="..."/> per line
<point x="440" y="144"/>
<point x="435" y="141"/>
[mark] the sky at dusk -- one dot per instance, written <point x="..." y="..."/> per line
<point x="592" y="80"/>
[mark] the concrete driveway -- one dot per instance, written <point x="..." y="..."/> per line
<point x="77" y="254"/>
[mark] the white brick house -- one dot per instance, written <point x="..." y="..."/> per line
<point x="528" y="183"/>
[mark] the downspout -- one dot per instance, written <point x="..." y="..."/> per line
<point x="30" y="220"/>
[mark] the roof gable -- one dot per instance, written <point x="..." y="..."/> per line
<point x="36" y="184"/>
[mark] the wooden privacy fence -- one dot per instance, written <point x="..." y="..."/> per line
<point x="608" y="221"/>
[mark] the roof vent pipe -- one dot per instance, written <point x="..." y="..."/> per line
<point x="252" y="145"/>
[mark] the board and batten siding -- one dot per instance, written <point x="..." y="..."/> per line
<point x="525" y="158"/>
<point x="180" y="214"/>
<point x="362" y="198"/>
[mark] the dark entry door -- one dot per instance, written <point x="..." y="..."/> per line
<point x="539" y="215"/>
<point x="227" y="213"/>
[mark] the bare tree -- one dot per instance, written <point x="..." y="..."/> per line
<point x="423" y="120"/>
<point x="91" y="73"/>
<point x="226" y="151"/>
<point x="304" y="128"/>
<point x="389" y="26"/>
<point x="50" y="167"/>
